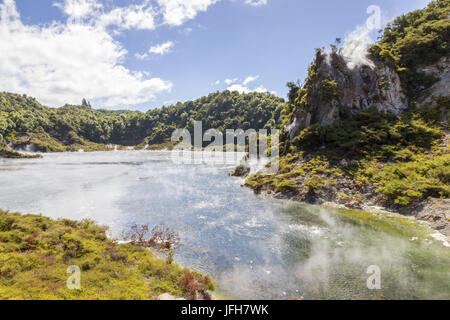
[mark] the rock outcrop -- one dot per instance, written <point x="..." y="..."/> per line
<point x="437" y="213"/>
<point x="441" y="72"/>
<point x="334" y="82"/>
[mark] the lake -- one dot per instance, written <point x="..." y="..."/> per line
<point x="254" y="247"/>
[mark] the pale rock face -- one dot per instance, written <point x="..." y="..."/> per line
<point x="440" y="71"/>
<point x="361" y="87"/>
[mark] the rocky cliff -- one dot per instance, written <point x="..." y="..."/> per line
<point x="334" y="82"/>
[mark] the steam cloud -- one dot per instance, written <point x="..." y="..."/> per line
<point x="355" y="49"/>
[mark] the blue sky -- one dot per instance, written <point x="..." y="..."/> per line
<point x="143" y="54"/>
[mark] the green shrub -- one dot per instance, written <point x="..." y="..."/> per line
<point x="34" y="261"/>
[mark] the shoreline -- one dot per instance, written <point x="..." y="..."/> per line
<point x="373" y="209"/>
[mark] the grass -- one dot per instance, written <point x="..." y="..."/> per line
<point x="35" y="253"/>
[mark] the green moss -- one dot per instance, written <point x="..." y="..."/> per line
<point x="35" y="253"/>
<point x="391" y="224"/>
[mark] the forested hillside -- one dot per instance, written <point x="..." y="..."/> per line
<point x="25" y="122"/>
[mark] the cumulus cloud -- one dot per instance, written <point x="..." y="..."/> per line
<point x="62" y="63"/>
<point x="162" y="48"/>
<point x="138" y="16"/>
<point x="176" y="12"/>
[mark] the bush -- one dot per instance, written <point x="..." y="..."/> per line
<point x="34" y="261"/>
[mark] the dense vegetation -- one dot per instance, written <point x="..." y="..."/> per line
<point x="23" y="120"/>
<point x="416" y="39"/>
<point x="405" y="158"/>
<point x="35" y="253"/>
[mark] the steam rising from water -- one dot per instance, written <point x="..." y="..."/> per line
<point x="253" y="247"/>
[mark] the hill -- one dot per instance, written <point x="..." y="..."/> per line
<point x="26" y="124"/>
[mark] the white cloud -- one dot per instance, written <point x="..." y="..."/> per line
<point x="141" y="17"/>
<point x="256" y="3"/>
<point x="62" y="63"/>
<point x="141" y="56"/>
<point x="78" y="8"/>
<point x="239" y="87"/>
<point x="243" y="87"/>
<point x="230" y="81"/>
<point x="162" y="48"/>
<point x="250" y="79"/>
<point x="176" y="12"/>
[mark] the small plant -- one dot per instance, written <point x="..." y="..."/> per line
<point x="286" y="185"/>
<point x="161" y="237"/>
<point x="314" y="184"/>
<point x="196" y="285"/>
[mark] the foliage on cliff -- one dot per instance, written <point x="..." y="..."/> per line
<point x="23" y="120"/>
<point x="35" y="253"/>
<point x="416" y="39"/>
<point x="406" y="157"/>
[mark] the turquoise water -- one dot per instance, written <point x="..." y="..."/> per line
<point x="255" y="248"/>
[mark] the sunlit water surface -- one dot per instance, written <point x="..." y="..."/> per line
<point x="254" y="248"/>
